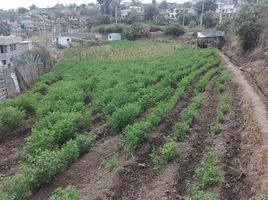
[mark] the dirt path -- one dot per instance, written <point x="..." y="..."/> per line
<point x="259" y="108"/>
<point x="10" y="145"/>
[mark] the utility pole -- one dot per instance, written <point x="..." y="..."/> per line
<point x="201" y="17"/>
<point x="220" y="13"/>
<point x="116" y="14"/>
<point x="183" y="19"/>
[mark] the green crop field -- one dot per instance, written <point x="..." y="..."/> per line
<point x="124" y="89"/>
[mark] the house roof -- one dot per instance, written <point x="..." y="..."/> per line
<point x="210" y="34"/>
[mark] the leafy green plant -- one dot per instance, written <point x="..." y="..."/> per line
<point x="215" y="128"/>
<point x="68" y="193"/>
<point x="209" y="172"/>
<point x="169" y="150"/>
<point x="180" y="130"/>
<point x="112" y="163"/>
<point x="166" y="153"/>
<point x="11" y="118"/>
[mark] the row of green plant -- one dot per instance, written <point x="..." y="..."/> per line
<point x="208" y="174"/>
<point x="45" y="166"/>
<point x="181" y="128"/>
<point x="223" y="104"/>
<point x="124" y="115"/>
<point x="136" y="134"/>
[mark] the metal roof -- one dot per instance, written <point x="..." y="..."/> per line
<point x="210" y="34"/>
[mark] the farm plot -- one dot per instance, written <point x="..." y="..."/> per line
<point x="91" y="117"/>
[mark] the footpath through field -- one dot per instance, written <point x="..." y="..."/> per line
<point x="259" y="108"/>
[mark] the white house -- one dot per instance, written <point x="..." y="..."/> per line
<point x="226" y="9"/>
<point x="62" y="41"/>
<point x="11" y="46"/>
<point x="114" y="37"/>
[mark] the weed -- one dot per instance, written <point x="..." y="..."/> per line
<point x="68" y="193"/>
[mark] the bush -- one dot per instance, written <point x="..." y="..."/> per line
<point x="209" y="172"/>
<point x="180" y="130"/>
<point x="154" y="28"/>
<point x="41" y="88"/>
<point x="137" y="30"/>
<point x="174" y="29"/>
<point x="68" y="193"/>
<point x="111" y="28"/>
<point x="11" y="118"/>
<point x="169" y="150"/>
<point x="248" y="26"/>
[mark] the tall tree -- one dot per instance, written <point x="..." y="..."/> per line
<point x="22" y="10"/>
<point x="208" y="6"/>
<point x="32" y="7"/>
<point x="150" y="12"/>
<point x="4" y="29"/>
<point x="163" y="5"/>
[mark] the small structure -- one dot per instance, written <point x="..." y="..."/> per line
<point x="210" y="39"/>
<point x="62" y="41"/>
<point x="11" y="46"/>
<point x="114" y="37"/>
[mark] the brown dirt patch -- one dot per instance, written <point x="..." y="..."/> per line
<point x="10" y="146"/>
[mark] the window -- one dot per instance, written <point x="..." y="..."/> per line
<point x="4" y="62"/>
<point x="12" y="47"/>
<point x="68" y="40"/>
<point x="3" y="48"/>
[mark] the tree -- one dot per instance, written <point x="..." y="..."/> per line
<point x="187" y="18"/>
<point x="4" y="29"/>
<point x="248" y="26"/>
<point x="208" y="6"/>
<point x="132" y="17"/>
<point x="150" y="12"/>
<point x="154" y="2"/>
<point x="209" y="19"/>
<point x="163" y="5"/>
<point x="32" y="7"/>
<point x="22" y="10"/>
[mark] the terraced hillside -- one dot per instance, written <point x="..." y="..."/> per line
<point x="130" y="120"/>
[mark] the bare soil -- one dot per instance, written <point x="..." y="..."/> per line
<point x="10" y="146"/>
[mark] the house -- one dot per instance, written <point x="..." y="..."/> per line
<point x="210" y="39"/>
<point x="114" y="37"/>
<point x="227" y="9"/>
<point x="11" y="46"/>
<point x="62" y="41"/>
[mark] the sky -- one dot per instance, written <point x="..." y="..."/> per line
<point x="13" y="4"/>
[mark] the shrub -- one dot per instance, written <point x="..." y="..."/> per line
<point x="169" y="150"/>
<point x="137" y="30"/>
<point x="215" y="128"/>
<point x="209" y="172"/>
<point x="111" y="28"/>
<point x="68" y="193"/>
<point x="174" y="29"/>
<point x="180" y="130"/>
<point x="41" y="88"/>
<point x="11" y="118"/>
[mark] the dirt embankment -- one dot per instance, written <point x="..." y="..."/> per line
<point x="254" y="65"/>
<point x="255" y="140"/>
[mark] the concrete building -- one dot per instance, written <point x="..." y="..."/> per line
<point x="11" y="46"/>
<point x="114" y="37"/>
<point x="62" y="41"/>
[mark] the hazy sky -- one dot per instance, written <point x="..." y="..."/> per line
<point x="11" y="4"/>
